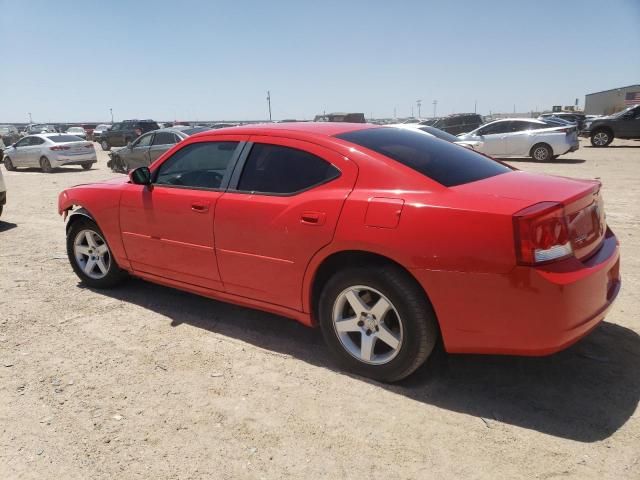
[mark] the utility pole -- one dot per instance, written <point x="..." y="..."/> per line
<point x="111" y="112"/>
<point x="419" y="103"/>
<point x="435" y="104"/>
<point x="269" y="103"/>
<point x="475" y="107"/>
<point x="30" y="119"/>
<point x="411" y="111"/>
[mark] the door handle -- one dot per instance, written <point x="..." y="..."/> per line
<point x="313" y="218"/>
<point x="199" y="207"/>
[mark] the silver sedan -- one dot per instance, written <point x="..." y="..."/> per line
<point x="48" y="151"/>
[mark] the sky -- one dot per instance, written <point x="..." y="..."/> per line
<point x="72" y="61"/>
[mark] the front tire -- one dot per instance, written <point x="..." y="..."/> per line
<point x="541" y="152"/>
<point x="377" y="322"/>
<point x="87" y="166"/>
<point x="8" y="164"/>
<point x="45" y="165"/>
<point x="601" y="138"/>
<point x="105" y="145"/>
<point x="90" y="256"/>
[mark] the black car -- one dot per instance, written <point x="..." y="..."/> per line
<point x="122" y="133"/>
<point x="459" y="123"/>
<point x="624" y="124"/>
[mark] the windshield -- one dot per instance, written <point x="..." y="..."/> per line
<point x="444" y="162"/>
<point x="621" y="113"/>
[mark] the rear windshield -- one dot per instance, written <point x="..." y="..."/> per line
<point x="193" y="131"/>
<point x="65" y="138"/>
<point x="444" y="162"/>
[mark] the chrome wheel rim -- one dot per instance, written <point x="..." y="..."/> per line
<point x="540" y="153"/>
<point x="600" y="138"/>
<point x="92" y="254"/>
<point x="367" y="325"/>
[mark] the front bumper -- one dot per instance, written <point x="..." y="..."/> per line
<point x="528" y="311"/>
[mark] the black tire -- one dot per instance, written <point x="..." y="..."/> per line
<point x="114" y="275"/>
<point x="87" y="166"/>
<point x="419" y="324"/>
<point x="601" y="138"/>
<point x="8" y="164"/>
<point x="45" y="165"/>
<point x="105" y="145"/>
<point x="541" y="152"/>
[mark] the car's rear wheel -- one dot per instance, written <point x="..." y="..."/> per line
<point x="377" y="322"/>
<point x="601" y="138"/>
<point x="105" y="145"/>
<point x="541" y="152"/>
<point x="45" y="165"/>
<point x="91" y="257"/>
<point x="8" y="164"/>
<point x="87" y="166"/>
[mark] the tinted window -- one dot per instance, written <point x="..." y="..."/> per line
<point x="24" y="142"/>
<point x="65" y="138"/>
<point x="40" y="141"/>
<point x="442" y="135"/>
<point x="521" y="126"/>
<point x="277" y="169"/>
<point x="441" y="161"/>
<point x="143" y="141"/>
<point x="199" y="165"/>
<point x="495" y="128"/>
<point x="164" y="138"/>
<point x="193" y="131"/>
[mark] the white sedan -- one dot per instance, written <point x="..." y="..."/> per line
<point x="522" y="137"/>
<point x="50" y="150"/>
<point x="434" y="132"/>
<point x="78" y="132"/>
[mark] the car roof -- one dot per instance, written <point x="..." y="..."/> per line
<point x="532" y="120"/>
<point x="324" y="129"/>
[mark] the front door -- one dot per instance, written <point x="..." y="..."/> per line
<point x="282" y="209"/>
<point x="629" y="124"/>
<point x="167" y="230"/>
<point x="492" y="138"/>
<point x="138" y="154"/>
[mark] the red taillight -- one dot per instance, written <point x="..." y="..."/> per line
<point x="88" y="145"/>
<point x="541" y="234"/>
<point x="59" y="147"/>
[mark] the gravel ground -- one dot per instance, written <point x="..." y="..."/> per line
<point x="149" y="382"/>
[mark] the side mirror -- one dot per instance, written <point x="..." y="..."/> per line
<point x="140" y="176"/>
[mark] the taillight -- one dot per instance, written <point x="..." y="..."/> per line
<point x="59" y="147"/>
<point x="541" y="234"/>
<point x="88" y="145"/>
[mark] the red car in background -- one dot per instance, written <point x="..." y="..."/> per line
<point x="386" y="238"/>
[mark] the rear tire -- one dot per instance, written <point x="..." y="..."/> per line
<point x="105" y="145"/>
<point x="90" y="256"/>
<point x="348" y="331"/>
<point x="601" y="138"/>
<point x="8" y="164"/>
<point x="541" y="152"/>
<point x="87" y="166"/>
<point x="45" y="165"/>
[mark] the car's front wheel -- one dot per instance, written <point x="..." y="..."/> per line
<point x="105" y="145"/>
<point x="377" y="322"/>
<point x="8" y="164"/>
<point x="87" y="166"/>
<point x="91" y="257"/>
<point x="601" y="138"/>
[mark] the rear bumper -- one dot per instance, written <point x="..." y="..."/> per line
<point x="528" y="311"/>
<point x="60" y="160"/>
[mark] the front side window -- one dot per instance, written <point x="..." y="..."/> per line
<point x="446" y="163"/>
<point x="494" y="128"/>
<point x="143" y="141"/>
<point x="198" y="165"/>
<point x="24" y="142"/>
<point x="283" y="170"/>
<point x="164" y="138"/>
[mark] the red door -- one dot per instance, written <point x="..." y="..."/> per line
<point x="284" y="209"/>
<point x="167" y="230"/>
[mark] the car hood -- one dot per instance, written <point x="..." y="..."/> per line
<point x="111" y="183"/>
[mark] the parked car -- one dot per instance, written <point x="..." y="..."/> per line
<point x="96" y="136"/>
<point x="3" y="192"/>
<point x="458" y="123"/>
<point x="574" y="117"/>
<point x="341" y="117"/>
<point x="558" y="122"/>
<point x="39" y="128"/>
<point x="121" y="133"/>
<point x="2" y="147"/>
<point x="48" y="151"/>
<point x="521" y="137"/>
<point x="78" y="132"/>
<point x="434" y="132"/>
<point x="147" y="148"/>
<point x="386" y="238"/>
<point x="624" y="124"/>
<point x="9" y="134"/>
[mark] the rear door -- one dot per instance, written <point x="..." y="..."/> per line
<point x="162" y="142"/>
<point x="282" y="206"/>
<point x="518" y="140"/>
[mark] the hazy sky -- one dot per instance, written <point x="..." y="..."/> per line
<point x="72" y="61"/>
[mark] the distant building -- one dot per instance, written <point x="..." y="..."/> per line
<point x="611" y="101"/>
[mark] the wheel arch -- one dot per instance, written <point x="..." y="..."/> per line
<point x="76" y="215"/>
<point x="341" y="259"/>
<point x="537" y="144"/>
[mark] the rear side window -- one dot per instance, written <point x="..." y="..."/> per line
<point x="283" y="170"/>
<point x="164" y="138"/>
<point x="199" y="165"/>
<point x="444" y="162"/>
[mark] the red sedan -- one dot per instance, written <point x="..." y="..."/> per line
<point x="386" y="238"/>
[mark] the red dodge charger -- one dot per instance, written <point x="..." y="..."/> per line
<point x="386" y="238"/>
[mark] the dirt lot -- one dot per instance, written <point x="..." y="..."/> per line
<point x="148" y="382"/>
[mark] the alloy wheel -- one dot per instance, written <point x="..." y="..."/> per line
<point x="367" y="325"/>
<point x="601" y="139"/>
<point x="541" y="154"/>
<point x="92" y="254"/>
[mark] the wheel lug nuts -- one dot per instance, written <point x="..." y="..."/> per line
<point x="360" y="323"/>
<point x="368" y="332"/>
